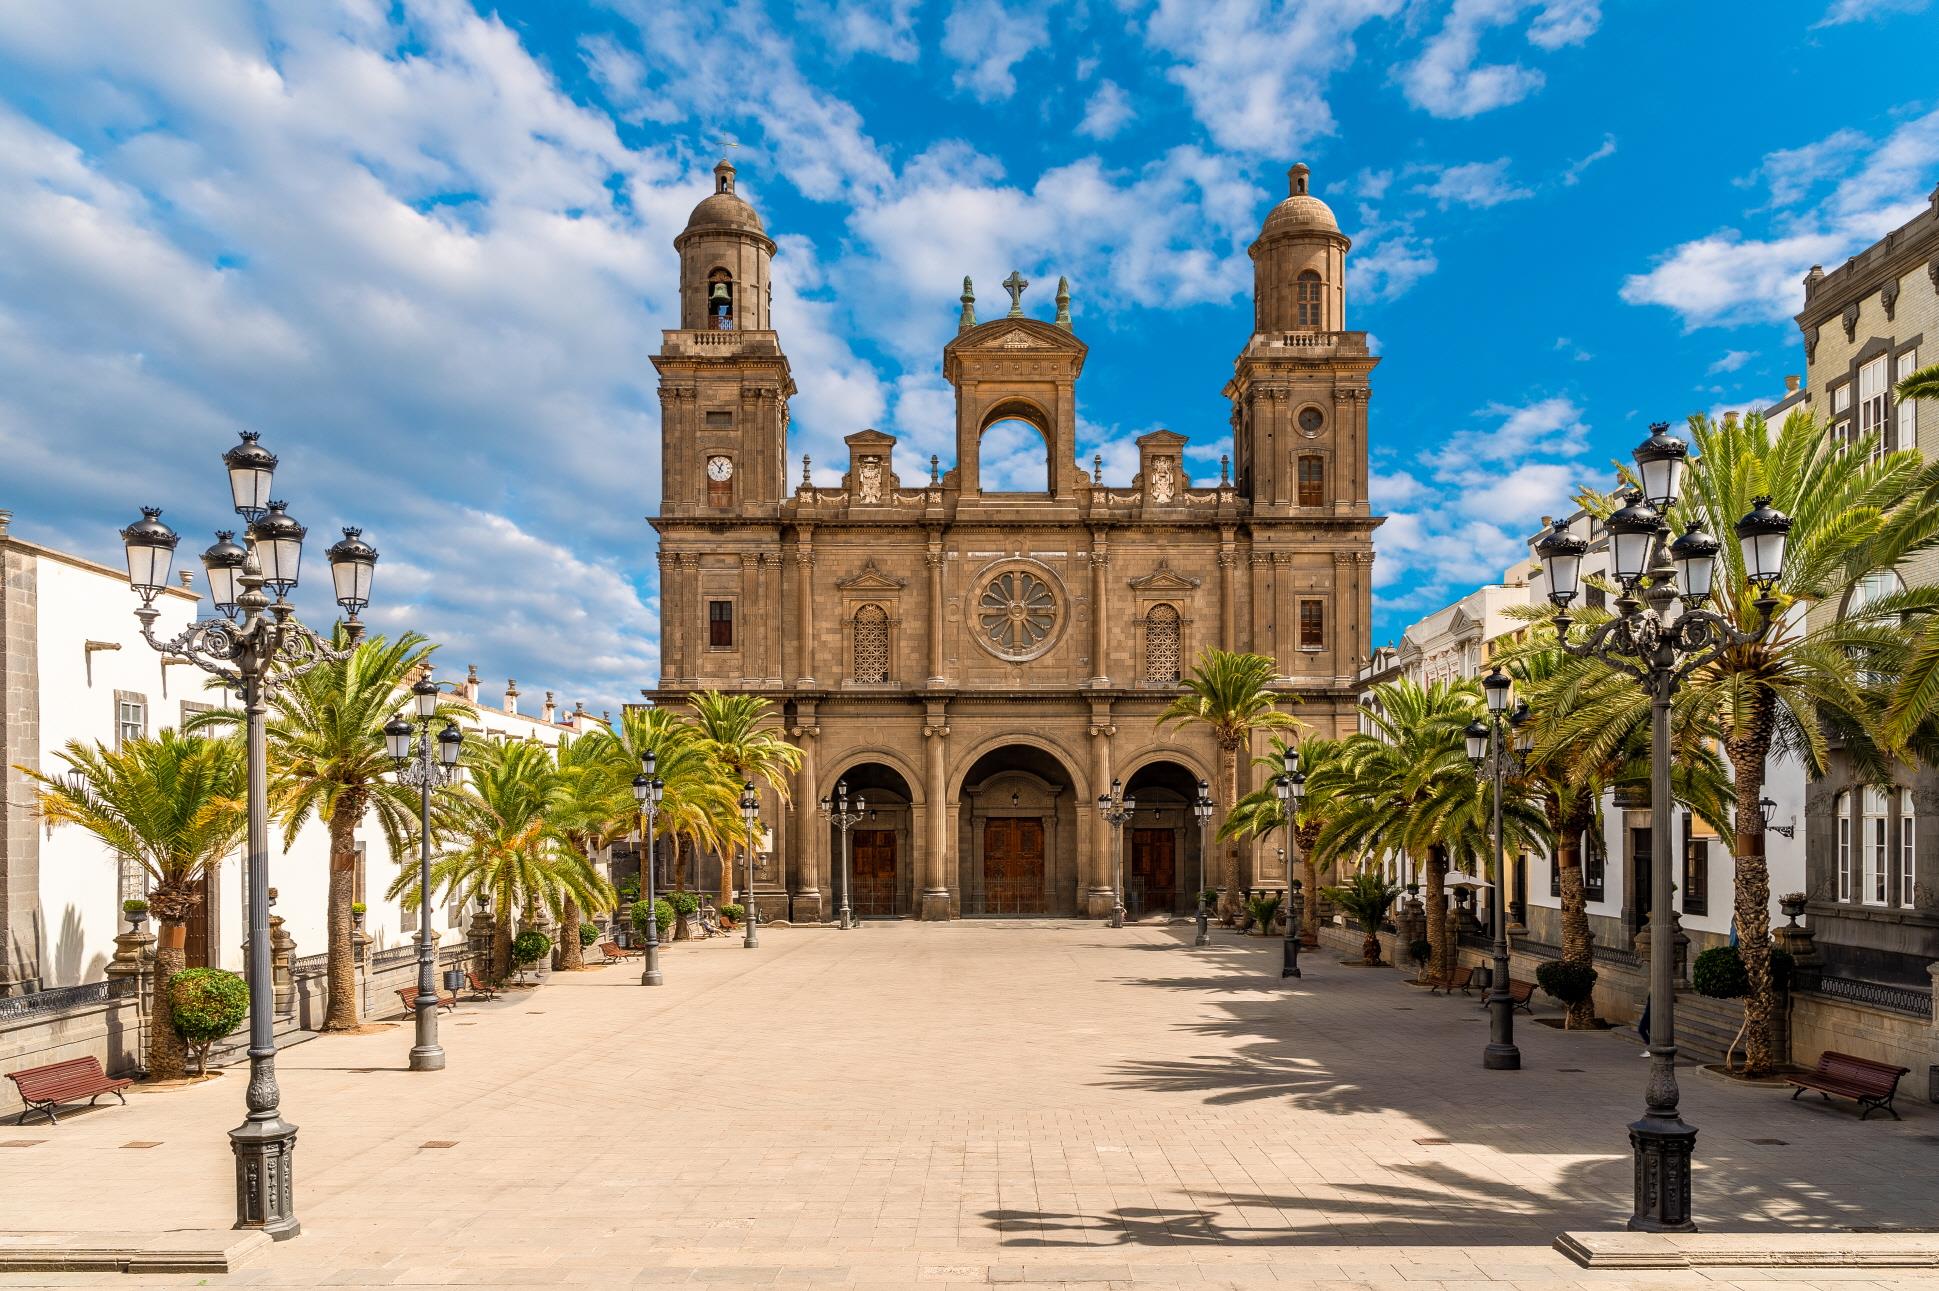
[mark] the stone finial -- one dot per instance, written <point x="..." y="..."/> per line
<point x="551" y="709"/>
<point x="187" y="576"/>
<point x="511" y="695"/>
<point x="1296" y="179"/>
<point x="935" y="469"/>
<point x="6" y="518"/>
<point x="1813" y="278"/>
<point x="1015" y="285"/>
<point x="1225" y="469"/>
<point x="1097" y="468"/>
<point x="1791" y="380"/>
<point x="1063" y="303"/>
<point x="471" y="683"/>
<point x="806" y="464"/>
<point x="968" y="319"/>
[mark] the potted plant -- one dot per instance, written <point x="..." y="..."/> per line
<point x="207" y="1003"/>
<point x="661" y="914"/>
<point x="528" y="948"/>
<point x="1569" y="983"/>
<point x="137" y="911"/>
<point x="1263" y="909"/>
<point x="1792" y="904"/>
<point x="357" y="911"/>
<point x="1366" y="898"/>
<point x="732" y="913"/>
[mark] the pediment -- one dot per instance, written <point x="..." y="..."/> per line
<point x="1162" y="439"/>
<point x="1164" y="579"/>
<point x="1015" y="334"/>
<point x="870" y="578"/>
<point x="1462" y="623"/>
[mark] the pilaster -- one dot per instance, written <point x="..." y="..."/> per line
<point x="809" y="834"/>
<point x="934" y="904"/>
<point x="1100" y="894"/>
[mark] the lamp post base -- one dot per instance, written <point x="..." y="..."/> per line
<point x="1662" y="1147"/>
<point x="427" y="1054"/>
<point x="847" y="919"/>
<point x="265" y="1155"/>
<point x="650" y="966"/>
<point x="1289" y="965"/>
<point x="1501" y="1057"/>
<point x="1204" y="937"/>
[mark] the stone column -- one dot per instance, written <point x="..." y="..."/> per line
<point x="282" y="956"/>
<point x="1100" y="636"/>
<point x="804" y="568"/>
<point x="479" y="934"/>
<point x="1259" y="640"/>
<point x="1228" y="592"/>
<point x="935" y="791"/>
<point x="808" y="899"/>
<point x="670" y="635"/>
<point x="133" y="973"/>
<point x="20" y="828"/>
<point x="1339" y="629"/>
<point x="933" y="557"/>
<point x="1285" y="613"/>
<point x="1099" y="895"/>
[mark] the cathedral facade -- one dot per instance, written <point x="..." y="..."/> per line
<point x="980" y="665"/>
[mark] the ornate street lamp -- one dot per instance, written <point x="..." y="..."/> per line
<point x="839" y="814"/>
<point x="411" y="744"/>
<point x="1202" y="808"/>
<point x="256" y="647"/>
<point x="649" y="791"/>
<point x="1488" y="750"/>
<point x="1765" y="806"/>
<point x="1290" y="787"/>
<point x="1646" y="642"/>
<point x="750" y="808"/>
<point x="1114" y="808"/>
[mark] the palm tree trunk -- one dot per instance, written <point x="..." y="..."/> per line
<point x="1309" y="913"/>
<point x="501" y="944"/>
<point x="1577" y="945"/>
<point x="572" y="956"/>
<point x="1440" y="957"/>
<point x="340" y="1010"/>
<point x="1229" y="863"/>
<point x="167" y="1054"/>
<point x="727" y="865"/>
<point x="1748" y="747"/>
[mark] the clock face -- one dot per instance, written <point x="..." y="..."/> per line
<point x="720" y="468"/>
<point x="1310" y="421"/>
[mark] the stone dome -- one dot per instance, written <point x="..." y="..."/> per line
<point x="723" y="208"/>
<point x="1301" y="212"/>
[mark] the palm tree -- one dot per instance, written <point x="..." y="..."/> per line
<point x="1854" y="511"/>
<point x="1923" y="384"/>
<point x="702" y="803"/>
<point x="176" y="804"/>
<point x="590" y="807"/>
<point x="1230" y="694"/>
<point x="328" y="761"/>
<point x="735" y="732"/>
<point x="503" y="847"/>
<point x="1258" y="813"/>
<point x="1366" y="897"/>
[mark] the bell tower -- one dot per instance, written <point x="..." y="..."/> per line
<point x="1299" y="388"/>
<point x="724" y="382"/>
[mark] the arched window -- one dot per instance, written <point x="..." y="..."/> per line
<point x="1876" y="863"/>
<point x="1312" y="480"/>
<point x="1844" y="846"/>
<point x="871" y="644"/>
<point x="1306" y="296"/>
<point x="720" y="300"/>
<point x="1162" y="644"/>
<point x="1013" y="456"/>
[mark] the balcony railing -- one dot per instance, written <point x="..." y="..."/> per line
<point x="1909" y="1000"/>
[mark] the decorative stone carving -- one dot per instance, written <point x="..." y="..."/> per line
<point x="1017" y="615"/>
<point x="1018" y="341"/>
<point x="870" y="578"/>
<point x="868" y="483"/>
<point x="1811" y="342"/>
<point x="1164" y="479"/>
<point x="1850" y="319"/>
<point x="1888" y="296"/>
<point x="1163" y="579"/>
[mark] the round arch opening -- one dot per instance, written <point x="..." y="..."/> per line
<point x="1163" y="844"/>
<point x="876" y="878"/>
<point x="1017" y="835"/>
<point x="1013" y="452"/>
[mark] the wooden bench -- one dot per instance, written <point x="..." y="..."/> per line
<point x="446" y="1001"/>
<point x="1521" y="995"/>
<point x="41" y="1088"/>
<point x="480" y="988"/>
<point x="613" y="950"/>
<point x="1872" y="1085"/>
<point x="1458" y="980"/>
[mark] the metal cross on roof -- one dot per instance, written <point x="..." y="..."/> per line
<point x="1015" y="284"/>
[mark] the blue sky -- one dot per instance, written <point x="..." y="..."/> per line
<point x="425" y="249"/>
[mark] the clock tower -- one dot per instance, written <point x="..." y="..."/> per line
<point x="724" y="382"/>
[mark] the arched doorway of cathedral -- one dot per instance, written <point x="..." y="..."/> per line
<point x="881" y="845"/>
<point x="1016" y="843"/>
<point x="1161" y="841"/>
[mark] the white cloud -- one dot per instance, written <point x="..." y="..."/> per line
<point x="1474" y="184"/>
<point x="986" y="40"/>
<point x="1565" y="22"/>
<point x="1391" y="264"/>
<point x="1791" y="173"/>
<point x="1256" y="71"/>
<point x="884" y="27"/>
<point x="1108" y="112"/>
<point x="1844" y="11"/>
<point x="1573" y="174"/>
<point x="1448" y="81"/>
<point x="1726" y="278"/>
<point x="1370" y="184"/>
<point x="1731" y="361"/>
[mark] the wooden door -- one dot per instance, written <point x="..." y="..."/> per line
<point x="200" y="953"/>
<point x="1151" y="872"/>
<point x="871" y="862"/>
<point x="1013" y="865"/>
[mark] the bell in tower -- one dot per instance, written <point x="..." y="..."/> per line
<point x="720" y="302"/>
<point x="725" y="255"/>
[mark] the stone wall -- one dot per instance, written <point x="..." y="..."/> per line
<point x="108" y="1029"/>
<point x="1820" y="1022"/>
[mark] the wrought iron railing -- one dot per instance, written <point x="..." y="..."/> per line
<point x="1910" y="1000"/>
<point x="52" y="1001"/>
<point x="1141" y="900"/>
<point x="395" y="953"/>
<point x="309" y="965"/>
<point x="875" y="897"/>
<point x="1005" y="896"/>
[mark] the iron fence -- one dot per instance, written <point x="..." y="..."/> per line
<point x="52" y="1001"/>
<point x="1909" y="1000"/>
<point x="1005" y="896"/>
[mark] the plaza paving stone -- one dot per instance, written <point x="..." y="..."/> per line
<point x="978" y="1103"/>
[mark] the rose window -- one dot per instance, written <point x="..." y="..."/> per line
<point x="1017" y="613"/>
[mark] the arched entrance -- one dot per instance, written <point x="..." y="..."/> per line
<point x="1017" y="835"/>
<point x="1161" y="842"/>
<point x="881" y="858"/>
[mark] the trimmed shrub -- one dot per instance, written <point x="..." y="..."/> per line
<point x="662" y="913"/>
<point x="733" y="912"/>
<point x="208" y="1003"/>
<point x="588" y="933"/>
<point x="1569" y="983"/>
<point x="529" y="947"/>
<point x="1719" y="973"/>
<point x="1209" y="898"/>
<point x="1419" y="949"/>
<point x="684" y="903"/>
